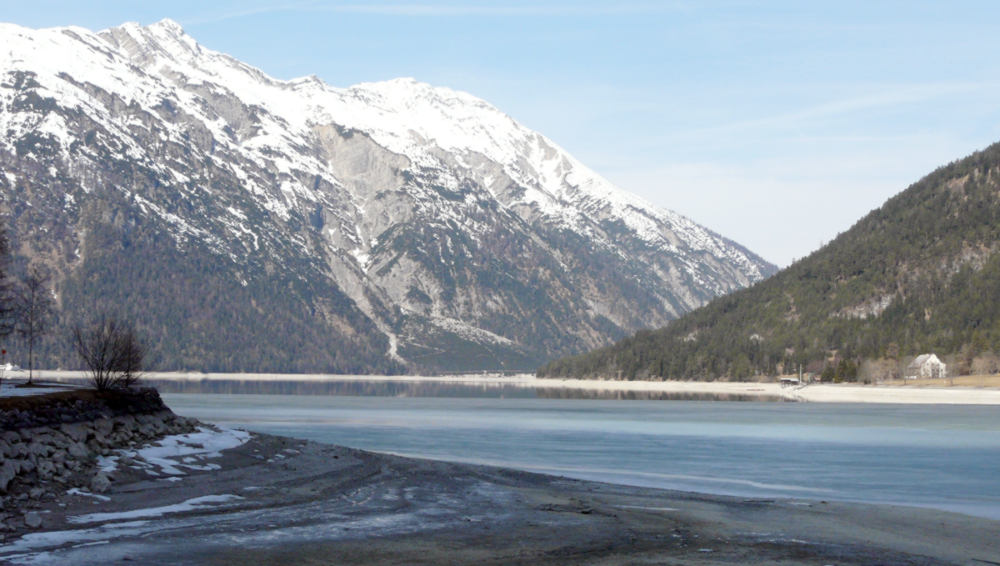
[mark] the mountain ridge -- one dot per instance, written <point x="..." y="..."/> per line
<point x="425" y="211"/>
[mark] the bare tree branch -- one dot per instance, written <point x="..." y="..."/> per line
<point x="112" y="352"/>
<point x="34" y="307"/>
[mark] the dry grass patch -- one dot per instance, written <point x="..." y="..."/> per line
<point x="32" y="402"/>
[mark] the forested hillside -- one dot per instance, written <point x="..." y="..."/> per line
<point x="919" y="274"/>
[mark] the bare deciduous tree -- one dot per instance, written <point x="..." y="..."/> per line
<point x="112" y="352"/>
<point x="34" y="307"/>
<point x="131" y="355"/>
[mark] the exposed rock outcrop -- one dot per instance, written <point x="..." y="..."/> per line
<point x="51" y="443"/>
<point x="380" y="228"/>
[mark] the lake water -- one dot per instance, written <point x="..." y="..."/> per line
<point x="947" y="457"/>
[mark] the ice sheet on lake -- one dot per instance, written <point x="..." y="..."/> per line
<point x="14" y="387"/>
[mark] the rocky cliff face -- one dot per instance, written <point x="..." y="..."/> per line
<point x="265" y="225"/>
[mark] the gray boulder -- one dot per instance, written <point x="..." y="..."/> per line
<point x="33" y="519"/>
<point x="46" y="469"/>
<point x="8" y="470"/>
<point x="78" y="451"/>
<point x="77" y="431"/>
<point x="99" y="483"/>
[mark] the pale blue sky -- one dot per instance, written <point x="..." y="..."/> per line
<point x="777" y="124"/>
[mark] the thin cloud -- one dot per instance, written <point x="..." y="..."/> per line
<point x="249" y="12"/>
<point x="448" y="10"/>
<point x="886" y="97"/>
<point x="500" y="10"/>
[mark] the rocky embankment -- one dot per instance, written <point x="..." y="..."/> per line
<point x="50" y="444"/>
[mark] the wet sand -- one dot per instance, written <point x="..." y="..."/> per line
<point x="276" y="500"/>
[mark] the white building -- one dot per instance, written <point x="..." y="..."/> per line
<point x="926" y="366"/>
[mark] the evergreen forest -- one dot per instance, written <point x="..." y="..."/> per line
<point x="919" y="274"/>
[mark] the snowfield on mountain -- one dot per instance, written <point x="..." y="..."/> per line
<point x="260" y="225"/>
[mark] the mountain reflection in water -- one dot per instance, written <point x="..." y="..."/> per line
<point x="390" y="388"/>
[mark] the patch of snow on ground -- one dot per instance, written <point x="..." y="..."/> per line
<point x="82" y="493"/>
<point x="470" y="332"/>
<point x="53" y="539"/>
<point x="107" y="464"/>
<point x="171" y="453"/>
<point x="185" y="450"/>
<point x="361" y="257"/>
<point x="189" y="505"/>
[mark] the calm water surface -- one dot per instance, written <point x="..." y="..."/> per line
<point x="946" y="457"/>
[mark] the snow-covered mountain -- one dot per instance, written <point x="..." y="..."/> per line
<point x="258" y="224"/>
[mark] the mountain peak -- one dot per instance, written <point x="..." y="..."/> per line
<point x="396" y="235"/>
<point x="404" y="88"/>
<point x="406" y="82"/>
<point x="165" y="38"/>
<point x="168" y="25"/>
<point x="164" y="26"/>
<point x="168" y="28"/>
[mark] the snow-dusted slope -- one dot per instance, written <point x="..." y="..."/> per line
<point x="412" y="220"/>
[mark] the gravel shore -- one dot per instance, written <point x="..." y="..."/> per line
<point x="274" y="500"/>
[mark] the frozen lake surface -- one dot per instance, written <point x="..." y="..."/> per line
<point x="939" y="456"/>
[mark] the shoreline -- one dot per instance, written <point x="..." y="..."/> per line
<point x="206" y="494"/>
<point x="812" y="393"/>
<point x="277" y="500"/>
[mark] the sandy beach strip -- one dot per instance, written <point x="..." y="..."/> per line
<point x="813" y="393"/>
